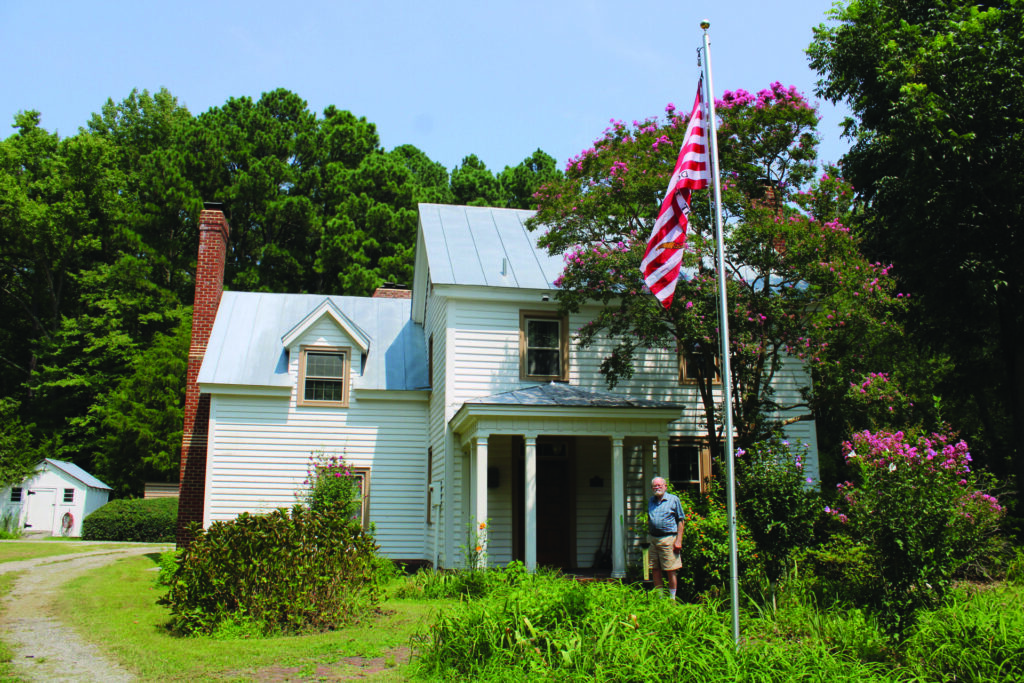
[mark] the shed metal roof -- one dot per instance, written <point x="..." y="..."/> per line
<point x="73" y="470"/>
<point x="485" y="246"/>
<point x="246" y="349"/>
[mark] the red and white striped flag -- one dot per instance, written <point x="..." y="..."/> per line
<point x="664" y="253"/>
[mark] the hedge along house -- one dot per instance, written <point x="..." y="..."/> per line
<point x="54" y="499"/>
<point x="462" y="403"/>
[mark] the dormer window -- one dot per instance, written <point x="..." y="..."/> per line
<point x="543" y="346"/>
<point x="324" y="376"/>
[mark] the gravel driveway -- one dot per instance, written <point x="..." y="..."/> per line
<point x="44" y="649"/>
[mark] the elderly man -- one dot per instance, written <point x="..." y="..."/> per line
<point x="665" y="523"/>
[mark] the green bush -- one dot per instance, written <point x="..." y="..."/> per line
<point x="705" y="551"/>
<point x="916" y="505"/>
<point x="281" y="572"/>
<point x="133" y="519"/>
<point x="330" y="485"/>
<point x="777" y="501"/>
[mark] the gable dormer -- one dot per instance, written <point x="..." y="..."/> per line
<point x="331" y="350"/>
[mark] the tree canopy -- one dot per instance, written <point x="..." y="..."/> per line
<point x="797" y="283"/>
<point x="937" y="96"/>
<point x="98" y="246"/>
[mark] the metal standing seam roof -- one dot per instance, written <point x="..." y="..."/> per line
<point x="556" y="394"/>
<point x="73" y="470"/>
<point x="246" y="349"/>
<point x="485" y="246"/>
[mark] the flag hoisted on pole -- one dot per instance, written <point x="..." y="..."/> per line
<point x="697" y="164"/>
<point x="723" y="325"/>
<point x="664" y="255"/>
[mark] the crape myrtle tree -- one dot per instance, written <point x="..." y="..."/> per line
<point x="797" y="284"/>
<point x="937" y="96"/>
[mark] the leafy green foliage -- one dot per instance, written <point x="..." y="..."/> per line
<point x="938" y="131"/>
<point x="331" y="488"/>
<point x="778" y="501"/>
<point x="917" y="506"/>
<point x="705" y="551"/>
<point x="98" y="242"/>
<point x="18" y="457"/>
<point x="798" y="285"/>
<point x="281" y="572"/>
<point x="133" y="519"/>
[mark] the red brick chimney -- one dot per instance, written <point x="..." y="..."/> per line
<point x="213" y="246"/>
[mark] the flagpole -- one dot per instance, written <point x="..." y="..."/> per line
<point x="723" y="324"/>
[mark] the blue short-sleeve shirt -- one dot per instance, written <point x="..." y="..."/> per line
<point x="664" y="515"/>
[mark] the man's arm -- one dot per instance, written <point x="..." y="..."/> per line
<point x="679" y="534"/>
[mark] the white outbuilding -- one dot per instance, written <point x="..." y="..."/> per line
<point x="54" y="499"/>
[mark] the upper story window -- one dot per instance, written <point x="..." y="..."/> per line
<point x="543" y="346"/>
<point x="324" y="376"/>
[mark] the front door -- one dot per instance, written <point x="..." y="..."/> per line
<point x="40" y="504"/>
<point x="556" y="495"/>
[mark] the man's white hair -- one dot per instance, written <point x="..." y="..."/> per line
<point x="657" y="479"/>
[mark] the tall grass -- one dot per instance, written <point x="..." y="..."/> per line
<point x="546" y="627"/>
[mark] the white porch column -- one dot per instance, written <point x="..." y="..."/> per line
<point x="618" y="510"/>
<point x="650" y="450"/>
<point x="480" y="502"/>
<point x="530" y="462"/>
<point x="662" y="458"/>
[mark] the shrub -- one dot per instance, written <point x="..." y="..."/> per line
<point x="286" y="571"/>
<point x="917" y="507"/>
<point x="705" y="551"/>
<point x="777" y="501"/>
<point x="133" y="519"/>
<point x="330" y="485"/>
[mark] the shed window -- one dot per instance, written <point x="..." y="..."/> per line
<point x="323" y="376"/>
<point x="16" y="494"/>
<point x="69" y="495"/>
<point x="543" y="346"/>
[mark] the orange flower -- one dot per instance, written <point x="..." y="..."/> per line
<point x="483" y="525"/>
<point x="479" y="548"/>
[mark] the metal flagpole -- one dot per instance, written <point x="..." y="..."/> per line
<point x="723" y="325"/>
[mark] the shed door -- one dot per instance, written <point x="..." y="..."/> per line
<point x="40" y="504"/>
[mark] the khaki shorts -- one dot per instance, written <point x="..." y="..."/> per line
<point x="663" y="555"/>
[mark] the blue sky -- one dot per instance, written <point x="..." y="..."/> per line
<point x="495" y="79"/>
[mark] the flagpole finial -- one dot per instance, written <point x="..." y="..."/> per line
<point x="705" y="24"/>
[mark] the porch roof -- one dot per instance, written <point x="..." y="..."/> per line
<point x="563" y="409"/>
<point x="559" y="394"/>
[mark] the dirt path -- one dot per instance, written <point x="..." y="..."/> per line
<point x="45" y="649"/>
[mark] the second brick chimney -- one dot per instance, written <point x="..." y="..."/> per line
<point x="213" y="247"/>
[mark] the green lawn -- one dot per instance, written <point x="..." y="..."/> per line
<point x="6" y="670"/>
<point x="115" y="607"/>
<point x="12" y="551"/>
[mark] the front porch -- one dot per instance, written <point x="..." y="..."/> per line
<point x="559" y="473"/>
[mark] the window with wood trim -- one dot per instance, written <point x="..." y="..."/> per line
<point x="696" y="363"/>
<point x="543" y="346"/>
<point x="689" y="464"/>
<point x="324" y="376"/>
<point x="362" y="477"/>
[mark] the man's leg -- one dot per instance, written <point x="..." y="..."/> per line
<point x="656" y="577"/>
<point x="672" y="580"/>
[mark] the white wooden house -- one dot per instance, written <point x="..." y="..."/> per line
<point x="54" y="499"/>
<point x="465" y="403"/>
